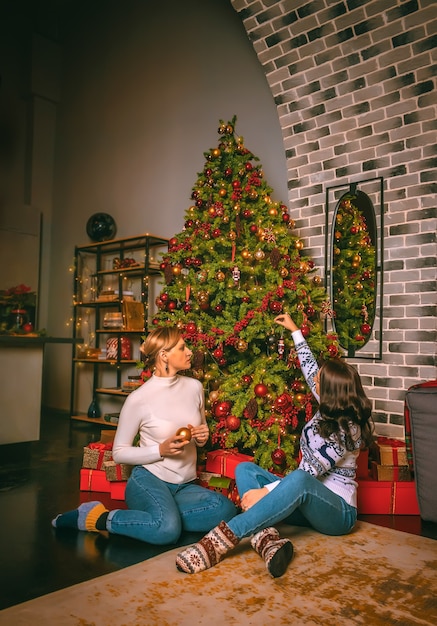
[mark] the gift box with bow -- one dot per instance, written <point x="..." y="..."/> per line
<point x="224" y="462"/>
<point x="95" y="454"/>
<point x="391" y="451"/>
<point x="115" y="472"/>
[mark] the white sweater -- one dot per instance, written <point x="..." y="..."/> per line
<point x="156" y="410"/>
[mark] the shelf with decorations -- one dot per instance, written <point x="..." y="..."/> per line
<point x="115" y="287"/>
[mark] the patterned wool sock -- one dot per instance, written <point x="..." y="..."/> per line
<point x="208" y="551"/>
<point x="276" y="552"/>
<point x="85" y="517"/>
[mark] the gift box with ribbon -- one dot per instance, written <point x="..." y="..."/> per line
<point x="391" y="451"/>
<point x="116" y="472"/>
<point x="95" y="454"/>
<point x="94" y="480"/>
<point x="390" y="472"/>
<point x="387" y="498"/>
<point x="224" y="462"/>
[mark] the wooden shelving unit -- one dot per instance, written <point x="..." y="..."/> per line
<point x="112" y="279"/>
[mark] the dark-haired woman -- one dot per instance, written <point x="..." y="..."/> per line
<point x="162" y="496"/>
<point x="321" y="493"/>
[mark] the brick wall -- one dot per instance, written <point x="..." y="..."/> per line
<point x="355" y="88"/>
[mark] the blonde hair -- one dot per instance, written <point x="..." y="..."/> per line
<point x="159" y="339"/>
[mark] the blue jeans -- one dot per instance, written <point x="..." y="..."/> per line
<point x="299" y="499"/>
<point x="159" y="511"/>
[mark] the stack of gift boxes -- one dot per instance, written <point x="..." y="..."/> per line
<point x="388" y="487"/>
<point x="385" y="483"/>
<point x="100" y="472"/>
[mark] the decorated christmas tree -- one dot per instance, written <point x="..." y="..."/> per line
<point x="236" y="265"/>
<point x="353" y="272"/>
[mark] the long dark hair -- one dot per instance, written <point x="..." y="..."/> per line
<point x="343" y="400"/>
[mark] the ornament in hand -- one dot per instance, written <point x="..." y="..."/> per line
<point x="184" y="432"/>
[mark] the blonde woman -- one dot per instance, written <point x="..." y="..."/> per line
<point x="162" y="496"/>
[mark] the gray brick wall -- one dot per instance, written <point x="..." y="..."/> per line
<point x="355" y="87"/>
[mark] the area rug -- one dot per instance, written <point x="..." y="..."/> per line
<point x="375" y="577"/>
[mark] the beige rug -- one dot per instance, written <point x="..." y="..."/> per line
<point x="375" y="576"/>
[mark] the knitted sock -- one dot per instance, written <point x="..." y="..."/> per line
<point x="276" y="552"/>
<point x="208" y="551"/>
<point x="85" y="517"/>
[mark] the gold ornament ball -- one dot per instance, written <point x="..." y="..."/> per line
<point x="273" y="212"/>
<point x="216" y="153"/>
<point x="232" y="235"/>
<point x="259" y="255"/>
<point x="222" y="192"/>
<point x="299" y="245"/>
<point x="317" y="280"/>
<point x="241" y="345"/>
<point x="220" y="276"/>
<point x="177" y="270"/>
<point x="245" y="254"/>
<point x="283" y="272"/>
<point x="185" y="433"/>
<point x="213" y="396"/>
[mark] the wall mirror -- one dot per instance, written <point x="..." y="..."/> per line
<point x="353" y="265"/>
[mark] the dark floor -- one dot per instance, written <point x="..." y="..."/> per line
<point x="41" y="479"/>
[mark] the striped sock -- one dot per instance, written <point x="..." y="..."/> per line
<point x="85" y="517"/>
<point x="208" y="551"/>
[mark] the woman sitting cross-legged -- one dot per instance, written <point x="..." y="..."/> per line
<point x="162" y="496"/>
<point x="321" y="493"/>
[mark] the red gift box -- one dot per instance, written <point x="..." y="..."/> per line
<point x="117" y="490"/>
<point x="404" y="499"/>
<point x="94" y="480"/>
<point x="387" y="498"/>
<point x="224" y="462"/>
<point x="363" y="464"/>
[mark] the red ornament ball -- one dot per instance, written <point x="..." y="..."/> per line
<point x="260" y="390"/>
<point x="333" y="350"/>
<point x="233" y="422"/>
<point x="222" y="409"/>
<point x="247" y="379"/>
<point x="305" y="330"/>
<point x="365" y="329"/>
<point x="190" y="328"/>
<point x="217" y="353"/>
<point x="278" y="457"/>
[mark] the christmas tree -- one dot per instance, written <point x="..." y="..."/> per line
<point x="236" y="265"/>
<point x="353" y="276"/>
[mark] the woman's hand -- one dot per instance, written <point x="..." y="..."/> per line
<point x="285" y="320"/>
<point x="253" y="496"/>
<point x="199" y="433"/>
<point x="173" y="446"/>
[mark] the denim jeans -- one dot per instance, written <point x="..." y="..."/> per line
<point x="299" y="499"/>
<point x="159" y="511"/>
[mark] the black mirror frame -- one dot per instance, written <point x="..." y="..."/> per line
<point x="373" y="188"/>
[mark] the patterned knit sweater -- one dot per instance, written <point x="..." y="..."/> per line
<point x="327" y="459"/>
